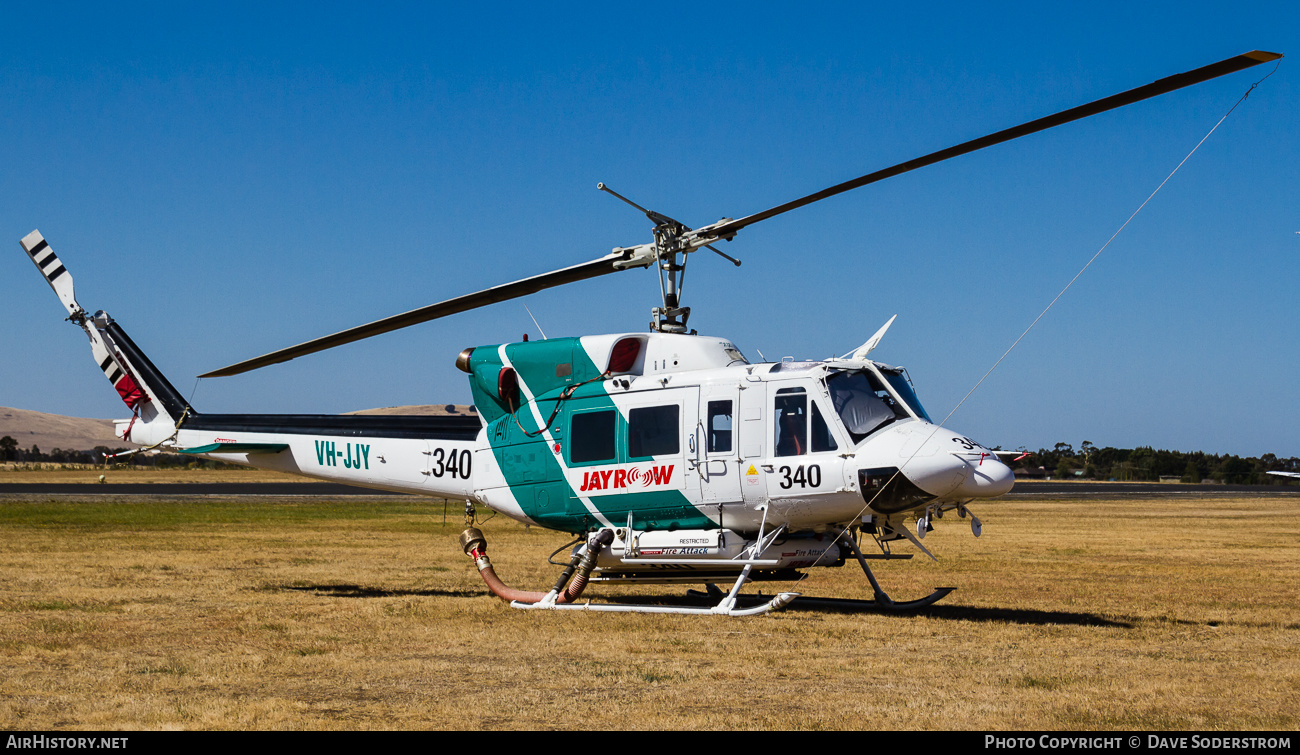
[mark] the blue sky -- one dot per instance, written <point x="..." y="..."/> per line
<point x="230" y="179"/>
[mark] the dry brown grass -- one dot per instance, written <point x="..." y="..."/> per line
<point x="1158" y="614"/>
<point x="88" y="474"/>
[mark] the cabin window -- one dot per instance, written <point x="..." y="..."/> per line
<point x="652" y="431"/>
<point x="791" y="422"/>
<point x="794" y="413"/>
<point x="591" y="437"/>
<point x="719" y="427"/>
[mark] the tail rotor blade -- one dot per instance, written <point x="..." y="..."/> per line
<point x="52" y="270"/>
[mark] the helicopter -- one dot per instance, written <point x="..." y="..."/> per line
<point x="669" y="455"/>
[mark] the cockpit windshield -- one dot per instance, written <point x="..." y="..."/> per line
<point x="903" y="387"/>
<point x="863" y="403"/>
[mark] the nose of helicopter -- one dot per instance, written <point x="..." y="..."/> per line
<point x="987" y="478"/>
<point x="947" y="465"/>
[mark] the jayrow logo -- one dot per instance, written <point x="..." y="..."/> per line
<point x="612" y="479"/>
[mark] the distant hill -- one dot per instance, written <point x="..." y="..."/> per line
<point x="51" y="431"/>
<point x="425" y="410"/>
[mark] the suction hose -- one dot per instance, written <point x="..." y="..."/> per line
<point x="474" y="544"/>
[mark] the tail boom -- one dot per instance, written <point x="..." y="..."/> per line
<point x="413" y="454"/>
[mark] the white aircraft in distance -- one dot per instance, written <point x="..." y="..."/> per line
<point x="1286" y="474"/>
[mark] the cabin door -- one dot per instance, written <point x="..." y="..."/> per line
<point x="719" y="458"/>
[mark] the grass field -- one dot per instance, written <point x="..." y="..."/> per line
<point x="89" y="474"/>
<point x="148" y="613"/>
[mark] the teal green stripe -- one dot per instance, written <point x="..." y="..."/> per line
<point x="537" y="480"/>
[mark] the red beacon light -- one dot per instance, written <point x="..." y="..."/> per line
<point x="622" y="358"/>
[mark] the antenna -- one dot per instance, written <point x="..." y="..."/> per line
<point x="539" y="327"/>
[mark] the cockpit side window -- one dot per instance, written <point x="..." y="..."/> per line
<point x="800" y="426"/>
<point x="822" y="440"/>
<point x="863" y="403"/>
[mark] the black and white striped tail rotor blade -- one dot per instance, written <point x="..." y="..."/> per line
<point x="106" y="356"/>
<point x="52" y="270"/>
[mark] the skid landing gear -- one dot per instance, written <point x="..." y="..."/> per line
<point x="882" y="601"/>
<point x="564" y="594"/>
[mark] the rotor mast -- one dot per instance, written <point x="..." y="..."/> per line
<point x="672" y="238"/>
<point x="672" y="274"/>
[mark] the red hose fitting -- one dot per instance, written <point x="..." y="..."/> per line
<point x="474" y="544"/>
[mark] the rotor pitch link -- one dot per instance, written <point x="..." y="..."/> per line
<point x="656" y="218"/>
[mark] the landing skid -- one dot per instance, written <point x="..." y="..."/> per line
<point x="850" y="604"/>
<point x="723" y="608"/>
<point x="563" y="596"/>
<point x="847" y="604"/>
<point x="728" y="604"/>
<point x="883" y="601"/>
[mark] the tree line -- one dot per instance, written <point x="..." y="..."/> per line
<point x="1149" y="464"/>
<point x="11" y="451"/>
<point x="1061" y="461"/>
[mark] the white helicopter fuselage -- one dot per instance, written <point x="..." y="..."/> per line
<point x="663" y="444"/>
<point x="684" y="435"/>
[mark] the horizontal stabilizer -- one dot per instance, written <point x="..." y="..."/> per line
<point x="236" y="448"/>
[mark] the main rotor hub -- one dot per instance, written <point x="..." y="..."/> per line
<point x="670" y="318"/>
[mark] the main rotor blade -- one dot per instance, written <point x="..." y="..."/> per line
<point x="1165" y="85"/>
<point x="608" y="264"/>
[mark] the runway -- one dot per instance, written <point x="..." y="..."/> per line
<point x="264" y="489"/>
<point x="1022" y="490"/>
<point x="1036" y="489"/>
